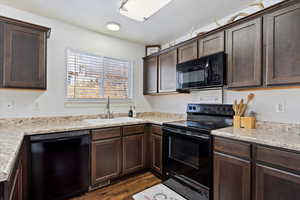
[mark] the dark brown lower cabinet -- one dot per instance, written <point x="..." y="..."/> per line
<point x="15" y="188"/>
<point x="106" y="160"/>
<point x="16" y="193"/>
<point x="274" y="184"/>
<point x="156" y="153"/>
<point x="231" y="178"/>
<point x="270" y="174"/>
<point x="133" y="153"/>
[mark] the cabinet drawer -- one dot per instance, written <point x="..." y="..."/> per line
<point x="100" y="134"/>
<point x="156" y="129"/>
<point x="232" y="147"/>
<point x="131" y="130"/>
<point x="280" y="158"/>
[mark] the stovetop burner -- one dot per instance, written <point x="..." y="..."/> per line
<point x="200" y="125"/>
<point x="205" y="117"/>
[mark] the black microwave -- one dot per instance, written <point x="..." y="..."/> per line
<point x="205" y="72"/>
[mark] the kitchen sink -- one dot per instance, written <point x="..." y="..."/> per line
<point x="105" y="121"/>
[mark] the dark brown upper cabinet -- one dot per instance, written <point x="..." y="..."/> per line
<point x="262" y="50"/>
<point x="150" y="75"/>
<point x="244" y="49"/>
<point x="167" y="72"/>
<point x="283" y="46"/>
<point x="188" y="52"/>
<point x="211" y="44"/>
<point x="23" y="55"/>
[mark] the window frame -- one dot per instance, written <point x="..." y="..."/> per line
<point x="97" y="100"/>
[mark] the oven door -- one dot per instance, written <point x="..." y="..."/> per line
<point x="187" y="157"/>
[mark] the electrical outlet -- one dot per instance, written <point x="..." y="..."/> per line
<point x="280" y="107"/>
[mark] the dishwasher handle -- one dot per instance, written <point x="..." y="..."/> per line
<point x="54" y="136"/>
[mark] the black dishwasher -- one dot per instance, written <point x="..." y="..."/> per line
<point x="59" y="165"/>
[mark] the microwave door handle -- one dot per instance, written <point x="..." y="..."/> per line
<point x="207" y="73"/>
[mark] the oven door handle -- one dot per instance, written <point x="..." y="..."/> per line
<point x="204" y="137"/>
<point x="187" y="133"/>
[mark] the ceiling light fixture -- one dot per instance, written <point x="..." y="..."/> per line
<point x="113" y="26"/>
<point x="141" y="10"/>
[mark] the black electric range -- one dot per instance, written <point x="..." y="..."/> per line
<point x="187" y="149"/>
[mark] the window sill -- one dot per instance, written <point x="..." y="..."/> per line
<point x="97" y="103"/>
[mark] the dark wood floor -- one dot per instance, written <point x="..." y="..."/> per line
<point x="124" y="189"/>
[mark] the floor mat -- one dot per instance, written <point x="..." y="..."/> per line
<point x="158" y="192"/>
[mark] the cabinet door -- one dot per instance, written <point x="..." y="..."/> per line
<point x="106" y="160"/>
<point x="17" y="186"/>
<point x="283" y="46"/>
<point x="244" y="44"/>
<point x="273" y="184"/>
<point x="24" y="58"/>
<point x="133" y="153"/>
<point x="187" y="52"/>
<point x="150" y="75"/>
<point x="167" y="71"/>
<point x="211" y="44"/>
<point x="231" y="178"/>
<point x="156" y="153"/>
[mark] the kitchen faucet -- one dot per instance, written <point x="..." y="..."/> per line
<point x="109" y="113"/>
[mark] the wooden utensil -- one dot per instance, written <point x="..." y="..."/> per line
<point x="235" y="107"/>
<point x="249" y="98"/>
<point x="240" y="105"/>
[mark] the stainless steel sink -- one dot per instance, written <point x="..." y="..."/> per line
<point x="107" y="121"/>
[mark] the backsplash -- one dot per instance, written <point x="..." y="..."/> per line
<point x="264" y="104"/>
<point x="4" y="122"/>
<point x="278" y="127"/>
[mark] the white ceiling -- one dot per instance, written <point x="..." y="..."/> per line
<point x="172" y="21"/>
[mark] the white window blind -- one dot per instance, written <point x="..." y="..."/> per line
<point x="96" y="77"/>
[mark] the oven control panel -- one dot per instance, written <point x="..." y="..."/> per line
<point x="210" y="109"/>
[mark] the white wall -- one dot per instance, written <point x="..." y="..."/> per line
<point x="51" y="102"/>
<point x="264" y="104"/>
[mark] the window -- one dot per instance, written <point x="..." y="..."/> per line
<point x="97" y="77"/>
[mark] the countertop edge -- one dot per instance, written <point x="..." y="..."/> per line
<point x="4" y="176"/>
<point x="274" y="144"/>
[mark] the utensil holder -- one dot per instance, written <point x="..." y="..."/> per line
<point x="248" y="122"/>
<point x="237" y="121"/>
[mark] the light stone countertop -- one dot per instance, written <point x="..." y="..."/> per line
<point x="13" y="131"/>
<point x="272" y="134"/>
